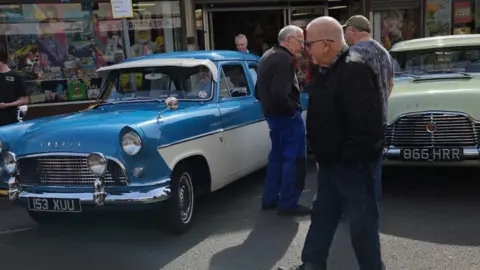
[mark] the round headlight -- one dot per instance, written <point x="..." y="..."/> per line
<point x="9" y="162"/>
<point x="131" y="143"/>
<point x="97" y="164"/>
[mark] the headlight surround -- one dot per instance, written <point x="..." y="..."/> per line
<point x="131" y="143"/>
<point x="9" y="162"/>
<point x="97" y="163"/>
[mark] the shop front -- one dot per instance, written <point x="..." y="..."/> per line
<point x="58" y="46"/>
<point x="218" y="22"/>
<point x="452" y="17"/>
<point x="397" y="20"/>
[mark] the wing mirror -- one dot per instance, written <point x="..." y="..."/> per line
<point x="23" y="109"/>
<point x="171" y="103"/>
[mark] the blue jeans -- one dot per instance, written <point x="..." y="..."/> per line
<point x="286" y="170"/>
<point x="352" y="188"/>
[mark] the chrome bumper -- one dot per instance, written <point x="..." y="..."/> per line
<point x="99" y="197"/>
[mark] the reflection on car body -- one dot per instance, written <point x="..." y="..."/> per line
<point x="166" y="128"/>
<point x="433" y="109"/>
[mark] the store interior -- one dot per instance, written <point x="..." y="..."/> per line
<point x="58" y="47"/>
<point x="260" y="27"/>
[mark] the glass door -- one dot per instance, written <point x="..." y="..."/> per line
<point x="259" y="25"/>
<point x="301" y="17"/>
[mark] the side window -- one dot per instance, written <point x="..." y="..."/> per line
<point x="233" y="82"/>
<point x="252" y="68"/>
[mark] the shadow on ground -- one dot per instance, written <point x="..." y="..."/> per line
<point x="130" y="242"/>
<point x="431" y="205"/>
<point x="438" y="205"/>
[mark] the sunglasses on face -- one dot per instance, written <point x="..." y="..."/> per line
<point x="309" y="44"/>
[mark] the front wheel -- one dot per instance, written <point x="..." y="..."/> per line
<point x="181" y="205"/>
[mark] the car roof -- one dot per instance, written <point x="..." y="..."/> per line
<point x="437" y="42"/>
<point x="216" y="55"/>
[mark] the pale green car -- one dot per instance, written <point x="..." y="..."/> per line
<point x="434" y="108"/>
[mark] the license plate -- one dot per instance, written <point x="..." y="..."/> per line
<point x="432" y="154"/>
<point x="54" y="205"/>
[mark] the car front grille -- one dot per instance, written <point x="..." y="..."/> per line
<point x="453" y="130"/>
<point x="66" y="171"/>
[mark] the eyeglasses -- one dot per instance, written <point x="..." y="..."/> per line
<point x="309" y="44"/>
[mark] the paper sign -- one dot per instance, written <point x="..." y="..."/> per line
<point x="122" y="9"/>
<point x="462" y="12"/>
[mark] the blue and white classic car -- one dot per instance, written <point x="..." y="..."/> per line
<point x="166" y="129"/>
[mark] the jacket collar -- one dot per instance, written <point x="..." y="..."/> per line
<point x="340" y="55"/>
<point x="280" y="47"/>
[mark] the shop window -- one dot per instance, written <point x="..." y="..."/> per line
<point x="155" y="28"/>
<point x="58" y="47"/>
<point x="109" y="40"/>
<point x="477" y="16"/>
<point x="463" y="17"/>
<point x="438" y="17"/>
<point x="304" y="66"/>
<point x="393" y="26"/>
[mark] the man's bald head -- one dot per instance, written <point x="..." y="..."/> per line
<point x="325" y="39"/>
<point x="326" y="27"/>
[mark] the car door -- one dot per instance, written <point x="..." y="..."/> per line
<point x="262" y="142"/>
<point x="242" y="119"/>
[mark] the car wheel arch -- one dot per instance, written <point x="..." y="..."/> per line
<point x="202" y="172"/>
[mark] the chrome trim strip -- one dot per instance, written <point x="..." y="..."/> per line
<point x="191" y="138"/>
<point x="116" y="160"/>
<point x="210" y="133"/>
<point x="136" y="197"/>
<point x="474" y="121"/>
<point x="159" y="182"/>
<point x="244" y="124"/>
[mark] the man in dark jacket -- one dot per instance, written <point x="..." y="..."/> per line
<point x="279" y="95"/>
<point x="346" y="133"/>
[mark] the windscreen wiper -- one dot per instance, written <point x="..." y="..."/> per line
<point x="141" y="99"/>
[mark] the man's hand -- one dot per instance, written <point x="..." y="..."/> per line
<point x="3" y="105"/>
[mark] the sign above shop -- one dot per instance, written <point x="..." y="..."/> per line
<point x="462" y="12"/>
<point x="122" y="9"/>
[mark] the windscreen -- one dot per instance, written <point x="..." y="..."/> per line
<point x="159" y="83"/>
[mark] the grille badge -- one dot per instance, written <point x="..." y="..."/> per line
<point x="61" y="144"/>
<point x="431" y="127"/>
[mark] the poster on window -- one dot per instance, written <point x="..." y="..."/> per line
<point x="477" y="16"/>
<point x="438" y="17"/>
<point x="462" y="12"/>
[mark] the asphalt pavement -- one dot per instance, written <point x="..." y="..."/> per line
<point x="430" y="220"/>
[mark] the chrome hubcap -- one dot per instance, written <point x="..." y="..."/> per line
<point x="185" y="197"/>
